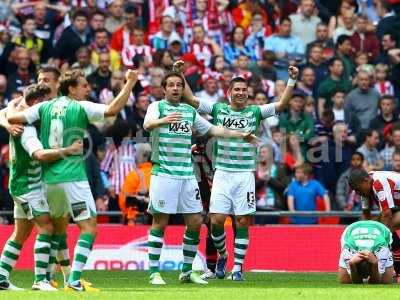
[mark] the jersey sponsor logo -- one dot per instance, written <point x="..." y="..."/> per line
<point x="78" y="209"/>
<point x="235" y="123"/>
<point x="161" y="203"/>
<point x="183" y="127"/>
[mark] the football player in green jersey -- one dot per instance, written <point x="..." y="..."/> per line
<point x="27" y="190"/>
<point x="63" y="119"/>
<point x="173" y="186"/>
<point x="365" y="254"/>
<point x="233" y="190"/>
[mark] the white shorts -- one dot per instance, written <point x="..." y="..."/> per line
<point x="174" y="196"/>
<point x="30" y="205"/>
<point x="384" y="256"/>
<point x="233" y="193"/>
<point x="74" y="195"/>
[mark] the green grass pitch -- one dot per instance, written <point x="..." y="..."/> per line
<point x="133" y="285"/>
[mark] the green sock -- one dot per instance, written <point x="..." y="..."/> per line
<point x="55" y="241"/>
<point x="155" y="243"/>
<point x="191" y="241"/>
<point x="218" y="236"/>
<point x="241" y="244"/>
<point x="42" y="254"/>
<point x="81" y="254"/>
<point x="9" y="258"/>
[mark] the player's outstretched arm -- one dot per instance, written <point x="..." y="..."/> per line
<point x="188" y="95"/>
<point x="120" y="101"/>
<point x="51" y="155"/>
<point x="287" y="93"/>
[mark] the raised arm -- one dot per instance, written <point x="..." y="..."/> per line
<point x="188" y="95"/>
<point x="14" y="115"/>
<point x="287" y="93"/>
<point x="120" y="101"/>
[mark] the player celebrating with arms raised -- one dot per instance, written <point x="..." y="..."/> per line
<point x="63" y="119"/>
<point x="173" y="186"/>
<point x="27" y="188"/>
<point x="365" y="254"/>
<point x="233" y="190"/>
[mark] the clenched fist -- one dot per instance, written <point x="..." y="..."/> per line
<point x="178" y="66"/>
<point x="293" y="72"/>
<point x="131" y="75"/>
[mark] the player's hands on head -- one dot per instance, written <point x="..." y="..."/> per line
<point x="369" y="256"/>
<point x="131" y="75"/>
<point x="174" y="117"/>
<point x="178" y="66"/>
<point x="15" y="129"/>
<point x="356" y="259"/>
<point x="293" y="72"/>
<point x="76" y="148"/>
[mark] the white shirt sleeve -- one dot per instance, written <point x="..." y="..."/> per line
<point x="30" y="141"/>
<point x="32" y="113"/>
<point x="152" y="112"/>
<point x="201" y="125"/>
<point x="267" y="110"/>
<point x="94" y="111"/>
<point x="205" y="107"/>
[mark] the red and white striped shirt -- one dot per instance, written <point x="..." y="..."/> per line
<point x="385" y="88"/>
<point x="129" y="52"/>
<point x="203" y="52"/>
<point x="118" y="162"/>
<point x="386" y="188"/>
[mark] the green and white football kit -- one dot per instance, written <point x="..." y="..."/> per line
<point x="64" y="120"/>
<point x="25" y="182"/>
<point x="233" y="190"/>
<point x="366" y="235"/>
<point x="173" y="186"/>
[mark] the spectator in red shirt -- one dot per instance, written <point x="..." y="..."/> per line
<point x="123" y="36"/>
<point x="365" y="41"/>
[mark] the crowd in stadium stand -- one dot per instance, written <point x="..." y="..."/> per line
<point x="343" y="113"/>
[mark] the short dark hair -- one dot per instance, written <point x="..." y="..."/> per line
<point x="101" y="30"/>
<point x="306" y="168"/>
<point x="172" y="74"/>
<point x="387" y="96"/>
<point x="370" y="132"/>
<point x="332" y="61"/>
<point x="50" y="69"/>
<point x="283" y="19"/>
<point x="130" y="9"/>
<point x="396" y="152"/>
<point x="338" y="90"/>
<point x="362" y="16"/>
<point x="268" y="55"/>
<point x="68" y="79"/>
<point x="98" y="12"/>
<point x="393" y="35"/>
<point x="364" y="269"/>
<point x="236" y="80"/>
<point x="35" y="91"/>
<point x="357" y="153"/>
<point x="79" y="13"/>
<point x="341" y="39"/>
<point x="356" y="177"/>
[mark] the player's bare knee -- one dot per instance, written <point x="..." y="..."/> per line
<point x="194" y="222"/>
<point x="46" y="227"/>
<point x="243" y="221"/>
<point x="217" y="219"/>
<point x="20" y="236"/>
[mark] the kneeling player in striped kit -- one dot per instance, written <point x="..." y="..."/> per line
<point x="27" y="189"/>
<point x="233" y="191"/>
<point x="173" y="186"/>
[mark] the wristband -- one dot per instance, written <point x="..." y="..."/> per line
<point x="291" y="82"/>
